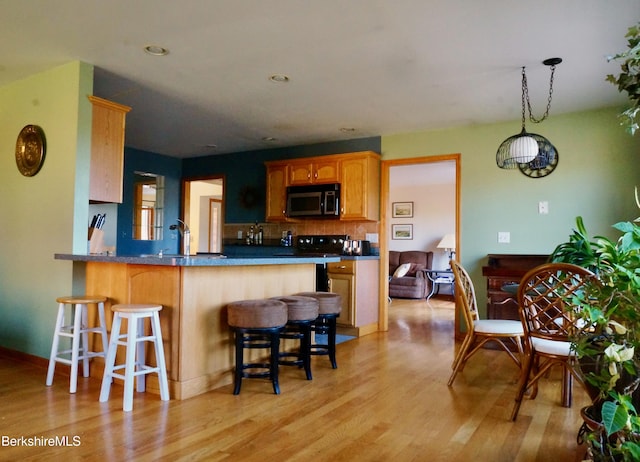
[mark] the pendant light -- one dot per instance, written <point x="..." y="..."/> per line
<point x="529" y="150"/>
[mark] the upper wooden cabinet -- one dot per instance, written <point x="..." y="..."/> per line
<point x="360" y="186"/>
<point x="358" y="174"/>
<point x="313" y="172"/>
<point x="276" y="192"/>
<point x="107" y="150"/>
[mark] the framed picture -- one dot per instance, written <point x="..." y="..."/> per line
<point x="402" y="231"/>
<point x="402" y="209"/>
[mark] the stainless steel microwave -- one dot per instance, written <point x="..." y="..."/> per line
<point x="322" y="200"/>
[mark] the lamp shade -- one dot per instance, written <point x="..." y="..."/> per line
<point x="448" y="242"/>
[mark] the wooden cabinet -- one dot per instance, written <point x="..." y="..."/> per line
<point x="107" y="150"/>
<point x="504" y="269"/>
<point x="358" y="174"/>
<point x="360" y="187"/>
<point x="357" y="282"/>
<point x="276" y="192"/>
<point x="314" y="171"/>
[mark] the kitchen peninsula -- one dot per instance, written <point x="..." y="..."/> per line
<point x="194" y="292"/>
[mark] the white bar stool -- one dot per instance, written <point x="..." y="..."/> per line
<point x="134" y="341"/>
<point x="78" y="332"/>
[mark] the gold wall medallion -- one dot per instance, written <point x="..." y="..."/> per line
<point x="30" y="150"/>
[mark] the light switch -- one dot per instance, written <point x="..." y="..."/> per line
<point x="504" y="237"/>
<point x="543" y="208"/>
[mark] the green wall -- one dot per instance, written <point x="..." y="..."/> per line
<point x="597" y="171"/>
<point x="38" y="213"/>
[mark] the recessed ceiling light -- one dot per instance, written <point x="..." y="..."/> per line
<point x="268" y="138"/>
<point x="156" y="50"/>
<point x="280" y="78"/>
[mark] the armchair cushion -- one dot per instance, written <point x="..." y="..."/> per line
<point x="413" y="284"/>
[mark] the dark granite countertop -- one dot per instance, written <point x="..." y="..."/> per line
<point x="197" y="260"/>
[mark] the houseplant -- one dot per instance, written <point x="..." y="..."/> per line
<point x="608" y="347"/>
<point x="629" y="78"/>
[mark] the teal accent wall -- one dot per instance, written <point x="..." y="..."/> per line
<point x="597" y="171"/>
<point x="46" y="213"/>
<point x="142" y="161"/>
<point x="247" y="169"/>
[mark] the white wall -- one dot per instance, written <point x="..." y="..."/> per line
<point x="431" y="187"/>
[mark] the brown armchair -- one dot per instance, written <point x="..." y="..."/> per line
<point x="414" y="284"/>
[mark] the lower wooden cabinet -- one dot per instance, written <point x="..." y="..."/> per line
<point x="357" y="282"/>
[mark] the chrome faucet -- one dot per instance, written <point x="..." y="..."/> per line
<point x="186" y="236"/>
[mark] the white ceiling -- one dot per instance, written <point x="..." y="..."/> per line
<point x="378" y="66"/>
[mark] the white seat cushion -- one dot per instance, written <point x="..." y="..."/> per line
<point x="553" y="347"/>
<point x="498" y="326"/>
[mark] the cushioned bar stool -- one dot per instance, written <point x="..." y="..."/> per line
<point x="78" y="331"/>
<point x="257" y="324"/>
<point x="329" y="307"/>
<point x="135" y="341"/>
<point x="301" y="313"/>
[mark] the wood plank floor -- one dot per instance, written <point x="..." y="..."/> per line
<point x="388" y="400"/>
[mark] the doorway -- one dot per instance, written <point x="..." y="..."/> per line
<point x="203" y="211"/>
<point x="386" y="221"/>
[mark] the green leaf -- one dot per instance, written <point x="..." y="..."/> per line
<point x="614" y="417"/>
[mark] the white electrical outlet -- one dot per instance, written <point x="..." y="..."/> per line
<point x="504" y="237"/>
<point x="372" y="237"/>
<point x="543" y="208"/>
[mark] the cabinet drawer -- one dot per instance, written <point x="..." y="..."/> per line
<point x="496" y="283"/>
<point x="342" y="267"/>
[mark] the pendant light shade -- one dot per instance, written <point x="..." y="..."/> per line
<point x="517" y="149"/>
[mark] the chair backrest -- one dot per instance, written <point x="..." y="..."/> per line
<point x="465" y="293"/>
<point x="545" y="300"/>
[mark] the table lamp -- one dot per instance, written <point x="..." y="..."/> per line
<point x="448" y="243"/>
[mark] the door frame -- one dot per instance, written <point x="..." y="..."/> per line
<point x="385" y="216"/>
<point x="185" y="206"/>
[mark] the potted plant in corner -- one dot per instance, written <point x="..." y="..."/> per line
<point x="608" y="347"/>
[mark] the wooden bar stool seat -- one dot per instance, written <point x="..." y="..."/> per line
<point x="78" y="331"/>
<point x="135" y="341"/>
<point x="257" y="324"/>
<point x="301" y="313"/>
<point x="329" y="308"/>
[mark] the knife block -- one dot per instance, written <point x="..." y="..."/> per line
<point x="96" y="241"/>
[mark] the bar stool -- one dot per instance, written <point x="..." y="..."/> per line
<point x="257" y="324"/>
<point x="329" y="308"/>
<point x="134" y="341"/>
<point x="301" y="313"/>
<point x="78" y="332"/>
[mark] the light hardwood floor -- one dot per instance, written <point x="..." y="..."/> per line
<point x="388" y="400"/>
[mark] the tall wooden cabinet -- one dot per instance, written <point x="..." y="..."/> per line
<point x="360" y="187"/>
<point x="277" y="192"/>
<point x="358" y="174"/>
<point x="107" y="150"/>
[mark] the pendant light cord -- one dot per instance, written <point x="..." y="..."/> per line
<point x="525" y="95"/>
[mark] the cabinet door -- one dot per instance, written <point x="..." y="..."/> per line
<point x="343" y="284"/>
<point x="360" y="193"/>
<point x="107" y="150"/>
<point x="325" y="171"/>
<point x="300" y="173"/>
<point x="276" y="192"/>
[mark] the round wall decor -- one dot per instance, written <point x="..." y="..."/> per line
<point x="30" y="150"/>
